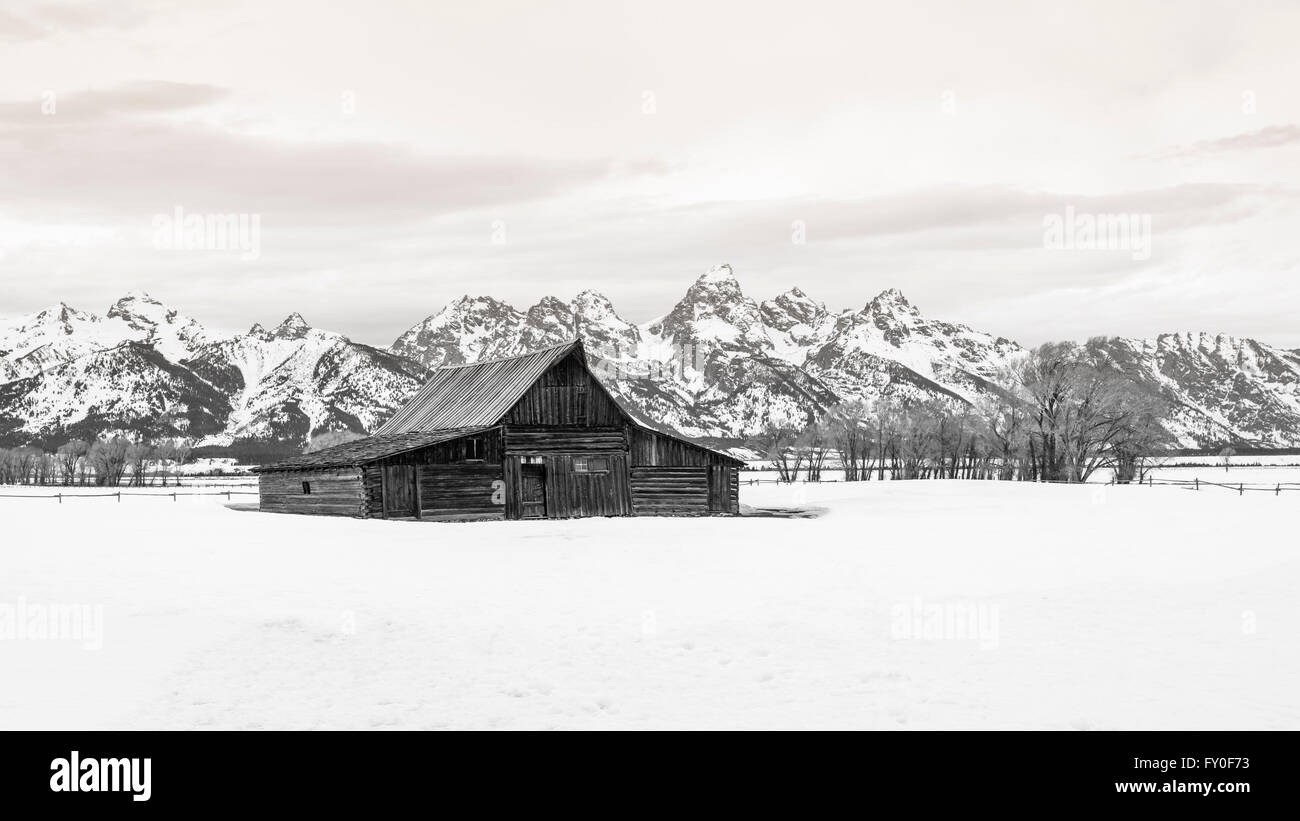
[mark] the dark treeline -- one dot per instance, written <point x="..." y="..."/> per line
<point x="109" y="461"/>
<point x="1061" y="414"/>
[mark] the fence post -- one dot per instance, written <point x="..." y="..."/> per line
<point x="60" y="497"/>
<point x="173" y="496"/>
<point x="119" y="497"/>
<point x="1241" y="489"/>
<point x="1277" y="491"/>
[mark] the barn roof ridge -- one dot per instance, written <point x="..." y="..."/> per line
<point x="574" y="342"/>
<point x="477" y="393"/>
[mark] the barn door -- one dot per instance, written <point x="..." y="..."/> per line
<point x="399" y="492"/>
<point x="533" y="491"/>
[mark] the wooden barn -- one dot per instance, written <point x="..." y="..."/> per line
<point x="529" y="437"/>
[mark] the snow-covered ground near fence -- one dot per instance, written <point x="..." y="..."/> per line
<point x="1093" y="607"/>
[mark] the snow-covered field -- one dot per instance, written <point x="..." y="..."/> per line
<point x="905" y="605"/>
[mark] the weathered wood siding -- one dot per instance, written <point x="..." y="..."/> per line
<point x="461" y="492"/>
<point x="333" y="492"/>
<point x="485" y="447"/>
<point x="670" y="491"/>
<point x="538" y="440"/>
<point x="372" y="485"/>
<point x="724" y="489"/>
<point x="652" y="448"/>
<point x="570" y="494"/>
<point x="565" y="395"/>
<point x="510" y="474"/>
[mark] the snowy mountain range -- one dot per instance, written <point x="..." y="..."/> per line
<point x="717" y="366"/>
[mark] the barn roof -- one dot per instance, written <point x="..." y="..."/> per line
<point x="479" y="393"/>
<point x="369" y="449"/>
<point x="458" y="400"/>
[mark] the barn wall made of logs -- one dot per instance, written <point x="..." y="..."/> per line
<point x="372" y="484"/>
<point x="670" y="491"/>
<point x="536" y="439"/>
<point x="338" y="492"/>
<point x="461" y="492"/>
<point x="565" y="395"/>
<point x="724" y="489"/>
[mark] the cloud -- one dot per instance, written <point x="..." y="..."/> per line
<point x="32" y="22"/>
<point x="1273" y="136"/>
<point x="104" y="154"/>
<point x="928" y="212"/>
<point x="140" y="97"/>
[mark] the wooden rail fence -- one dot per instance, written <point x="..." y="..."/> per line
<point x="1276" y="488"/>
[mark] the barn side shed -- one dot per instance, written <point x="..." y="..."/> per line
<point x="535" y="436"/>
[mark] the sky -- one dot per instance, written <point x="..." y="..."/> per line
<point x="396" y="155"/>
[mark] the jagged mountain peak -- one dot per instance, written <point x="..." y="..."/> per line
<point x="591" y="298"/>
<point x="468" y="328"/>
<point x="466" y="301"/>
<point x="716" y="313"/>
<point x="293" y="327"/>
<point x="62" y="313"/>
<point x="549" y="303"/>
<point x="791" y="308"/>
<point x="718" y="273"/>
<point x="891" y="299"/>
<point x="139" y="310"/>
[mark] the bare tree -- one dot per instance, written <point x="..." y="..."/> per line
<point x="138" y="458"/>
<point x="815" y="441"/>
<point x="69" y="456"/>
<point x="850" y="427"/>
<point x="1083" y="411"/>
<point x="776" y="441"/>
<point x="107" y="458"/>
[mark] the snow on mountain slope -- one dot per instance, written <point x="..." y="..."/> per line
<point x="289" y="382"/>
<point x="131" y="388"/>
<point x="1220" y="388"/>
<point x="31" y="344"/>
<point x="796" y="323"/>
<point x="65" y="369"/>
<point x="468" y="329"/>
<point x="170" y="332"/>
<point x="891" y="330"/>
<point x="714" y="315"/>
<point x="717" y="365"/>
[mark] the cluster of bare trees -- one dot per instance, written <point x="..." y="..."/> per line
<point x="110" y="461"/>
<point x="1060" y="414"/>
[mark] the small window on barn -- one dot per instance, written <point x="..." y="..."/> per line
<point x="580" y="405"/>
<point x="473" y="450"/>
<point x="531" y="460"/>
<point x="591" y="464"/>
<point x="306" y="487"/>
